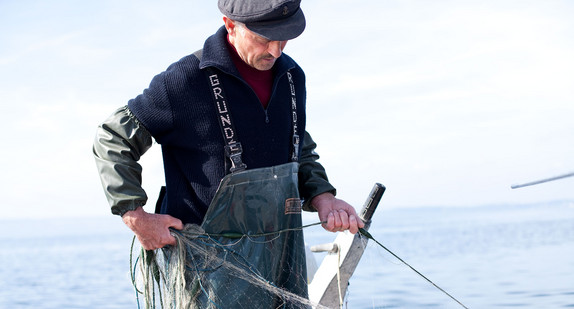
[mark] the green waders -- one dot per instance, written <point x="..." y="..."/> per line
<point x="252" y="202"/>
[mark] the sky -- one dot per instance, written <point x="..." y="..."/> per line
<point x="446" y="103"/>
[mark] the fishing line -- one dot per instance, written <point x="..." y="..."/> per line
<point x="362" y="231"/>
<point x="239" y="235"/>
<point x="369" y="236"/>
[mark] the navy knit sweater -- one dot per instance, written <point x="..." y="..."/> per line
<point x="178" y="110"/>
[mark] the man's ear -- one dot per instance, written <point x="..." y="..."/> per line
<point x="229" y="25"/>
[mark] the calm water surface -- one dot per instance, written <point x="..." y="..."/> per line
<point x="487" y="257"/>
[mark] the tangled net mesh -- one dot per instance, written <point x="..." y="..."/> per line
<point x="181" y="276"/>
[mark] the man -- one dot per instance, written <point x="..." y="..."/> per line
<point x="233" y="111"/>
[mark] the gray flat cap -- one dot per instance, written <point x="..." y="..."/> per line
<point x="275" y="20"/>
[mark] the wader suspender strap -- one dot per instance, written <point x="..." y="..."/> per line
<point x="233" y="149"/>
<point x="295" y="153"/>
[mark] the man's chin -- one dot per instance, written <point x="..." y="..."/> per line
<point x="265" y="65"/>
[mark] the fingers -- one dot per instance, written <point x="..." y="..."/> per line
<point x="171" y="240"/>
<point x="153" y="231"/>
<point x="354" y="224"/>
<point x="171" y="222"/>
<point x="333" y="222"/>
<point x="353" y="227"/>
<point x="340" y="220"/>
<point x="175" y="223"/>
<point x="344" y="220"/>
<point x="158" y="242"/>
<point x="147" y="244"/>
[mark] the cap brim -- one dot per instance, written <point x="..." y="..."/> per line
<point x="280" y="30"/>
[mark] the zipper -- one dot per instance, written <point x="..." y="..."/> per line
<point x="273" y="89"/>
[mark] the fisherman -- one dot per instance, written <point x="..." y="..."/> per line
<point x="230" y="119"/>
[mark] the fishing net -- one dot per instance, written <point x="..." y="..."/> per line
<point x="202" y="271"/>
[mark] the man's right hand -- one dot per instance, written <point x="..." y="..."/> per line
<point x="152" y="230"/>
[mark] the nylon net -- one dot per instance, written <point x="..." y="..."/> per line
<point x="203" y="272"/>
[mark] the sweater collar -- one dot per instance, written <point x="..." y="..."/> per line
<point x="216" y="53"/>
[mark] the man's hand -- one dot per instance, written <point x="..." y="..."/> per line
<point x="337" y="214"/>
<point x="152" y="230"/>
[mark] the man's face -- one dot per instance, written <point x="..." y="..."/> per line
<point x="253" y="49"/>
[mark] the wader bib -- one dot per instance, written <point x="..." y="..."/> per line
<point x="264" y="204"/>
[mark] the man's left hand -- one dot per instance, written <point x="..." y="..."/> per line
<point x="336" y="214"/>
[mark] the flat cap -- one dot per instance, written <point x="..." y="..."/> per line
<point x="275" y="20"/>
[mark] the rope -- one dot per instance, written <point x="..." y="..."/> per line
<point x="369" y="236"/>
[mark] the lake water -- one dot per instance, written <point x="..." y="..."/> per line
<point x="487" y="257"/>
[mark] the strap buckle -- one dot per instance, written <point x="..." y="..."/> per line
<point x="233" y="152"/>
<point x="296" y="141"/>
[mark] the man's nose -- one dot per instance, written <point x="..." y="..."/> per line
<point x="275" y="48"/>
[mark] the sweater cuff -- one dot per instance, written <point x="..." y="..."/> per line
<point x="126" y="206"/>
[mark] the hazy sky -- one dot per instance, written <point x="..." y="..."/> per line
<point x="447" y="103"/>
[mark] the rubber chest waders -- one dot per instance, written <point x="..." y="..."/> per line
<point x="251" y="202"/>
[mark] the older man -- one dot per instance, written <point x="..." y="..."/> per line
<point x="231" y="122"/>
